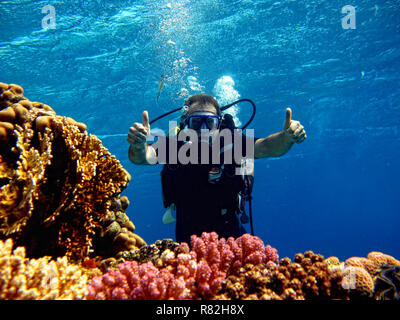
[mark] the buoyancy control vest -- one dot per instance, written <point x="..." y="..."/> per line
<point x="232" y="190"/>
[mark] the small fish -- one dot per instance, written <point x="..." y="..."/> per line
<point x="376" y="9"/>
<point x="160" y="85"/>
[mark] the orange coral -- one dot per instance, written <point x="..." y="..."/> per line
<point x="58" y="183"/>
<point x="308" y="277"/>
<point x="380" y="259"/>
<point x="374" y="261"/>
<point x="358" y="281"/>
<point x="362" y="263"/>
<point x="360" y="272"/>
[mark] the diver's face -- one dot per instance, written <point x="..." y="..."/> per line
<point x="203" y="117"/>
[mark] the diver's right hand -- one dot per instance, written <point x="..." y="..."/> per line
<point x="137" y="135"/>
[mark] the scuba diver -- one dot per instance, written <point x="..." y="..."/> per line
<point x="207" y="196"/>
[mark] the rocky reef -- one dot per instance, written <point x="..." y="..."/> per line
<point x="64" y="233"/>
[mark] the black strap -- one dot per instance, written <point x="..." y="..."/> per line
<point x="251" y="217"/>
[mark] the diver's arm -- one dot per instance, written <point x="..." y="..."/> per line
<point x="142" y="154"/>
<point x="277" y="144"/>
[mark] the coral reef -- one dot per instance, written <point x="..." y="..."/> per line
<point x="374" y="261"/>
<point x="214" y="269"/>
<point x="217" y="258"/>
<point x="117" y="233"/>
<point x="138" y="282"/>
<point x="358" y="282"/>
<point x="183" y="273"/>
<point x="62" y="211"/>
<point x="38" y="279"/>
<point x="387" y="283"/>
<point x="374" y="276"/>
<point x="60" y="187"/>
<point x="152" y="252"/>
<point x="308" y="277"/>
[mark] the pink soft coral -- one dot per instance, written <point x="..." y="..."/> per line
<point x="140" y="282"/>
<point x="218" y="258"/>
<point x="192" y="274"/>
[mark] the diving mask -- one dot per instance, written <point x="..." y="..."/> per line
<point x="203" y="121"/>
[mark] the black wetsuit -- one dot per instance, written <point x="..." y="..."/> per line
<point x="202" y="206"/>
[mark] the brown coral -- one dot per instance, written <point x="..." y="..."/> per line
<point x="361" y="274"/>
<point x="38" y="279"/>
<point x="380" y="259"/>
<point x="156" y="252"/>
<point x="307" y="277"/>
<point x="358" y="282"/>
<point x="362" y="262"/>
<point x="60" y="187"/>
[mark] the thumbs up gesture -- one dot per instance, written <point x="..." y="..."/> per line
<point x="293" y="129"/>
<point x="137" y="135"/>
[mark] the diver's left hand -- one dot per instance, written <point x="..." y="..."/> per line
<point x="292" y="129"/>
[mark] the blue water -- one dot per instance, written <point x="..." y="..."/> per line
<point x="337" y="193"/>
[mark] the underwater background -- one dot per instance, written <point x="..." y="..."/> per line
<point x="337" y="193"/>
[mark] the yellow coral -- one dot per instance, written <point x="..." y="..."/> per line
<point x="16" y="198"/>
<point x="98" y="178"/>
<point x="38" y="279"/>
<point x="57" y="182"/>
<point x="332" y="261"/>
<point x="334" y="264"/>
